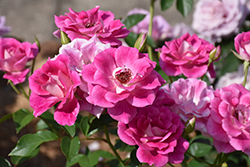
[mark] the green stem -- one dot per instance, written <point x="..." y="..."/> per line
<point x="140" y="165"/>
<point x="150" y="27"/>
<point x="32" y="70"/>
<point x="24" y="93"/>
<point x="246" y="65"/>
<point x="170" y="78"/>
<point x="112" y="147"/>
<point x="14" y="87"/>
<point x="95" y="138"/>
<point x="198" y="159"/>
<point x="170" y="164"/>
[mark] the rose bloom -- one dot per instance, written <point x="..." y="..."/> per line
<point x="161" y="28"/>
<point x="214" y="19"/>
<point x="122" y="79"/>
<point x="192" y="97"/>
<point x="82" y="52"/>
<point x="86" y="24"/>
<point x="157" y="131"/>
<point x="242" y="45"/>
<point x="229" y="121"/>
<point x="188" y="55"/>
<point x="3" y="29"/>
<point x="54" y="83"/>
<point x="14" y="56"/>
<point x="181" y="29"/>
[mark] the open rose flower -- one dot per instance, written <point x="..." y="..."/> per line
<point x="86" y="24"/>
<point x="3" y="29"/>
<point x="242" y="45"/>
<point x="120" y="80"/>
<point x="14" y="56"/>
<point x="161" y="28"/>
<point x="188" y="55"/>
<point x="192" y="97"/>
<point x="230" y="119"/>
<point x="214" y="19"/>
<point x="82" y="52"/>
<point x="157" y="131"/>
<point x="54" y="83"/>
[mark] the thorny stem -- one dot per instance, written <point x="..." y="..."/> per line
<point x="112" y="147"/>
<point x="150" y="27"/>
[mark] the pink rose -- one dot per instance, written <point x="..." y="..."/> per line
<point x="192" y="97"/>
<point x="86" y="24"/>
<point x="214" y="19"/>
<point x="14" y="56"/>
<point x="157" y="132"/>
<point x="120" y="80"/>
<point x="82" y="52"/>
<point x="54" y="83"/>
<point x="181" y="29"/>
<point x="242" y="45"/>
<point x="161" y="28"/>
<point x="230" y="119"/>
<point x="3" y="29"/>
<point x="188" y="55"/>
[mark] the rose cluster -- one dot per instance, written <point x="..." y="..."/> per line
<point x="94" y="73"/>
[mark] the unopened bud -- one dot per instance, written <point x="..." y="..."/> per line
<point x="190" y="124"/>
<point x="141" y="42"/>
<point x="214" y="55"/>
<point x="64" y="38"/>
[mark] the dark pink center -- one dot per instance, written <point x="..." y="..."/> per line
<point x="123" y="76"/>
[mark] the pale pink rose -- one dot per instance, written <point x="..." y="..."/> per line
<point x="86" y="24"/>
<point x="181" y="29"/>
<point x="157" y="131"/>
<point x="54" y="83"/>
<point x="14" y="56"/>
<point x="82" y="52"/>
<point x="188" y="55"/>
<point x="214" y="19"/>
<point x="120" y="80"/>
<point x="3" y="29"/>
<point x="230" y="119"/>
<point x="192" y="98"/>
<point x="161" y="28"/>
<point x="242" y="45"/>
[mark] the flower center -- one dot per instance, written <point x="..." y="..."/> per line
<point x="123" y="75"/>
<point x="88" y="25"/>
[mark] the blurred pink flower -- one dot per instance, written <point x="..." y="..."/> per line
<point x="82" y="52"/>
<point x="120" y="80"/>
<point x="192" y="97"/>
<point x="161" y="28"/>
<point x="86" y="24"/>
<point x="181" y="29"/>
<point x="54" y="83"/>
<point x="157" y="132"/>
<point x="3" y="29"/>
<point x="230" y="119"/>
<point x="188" y="55"/>
<point x="242" y="45"/>
<point x="214" y="19"/>
<point x="14" y="56"/>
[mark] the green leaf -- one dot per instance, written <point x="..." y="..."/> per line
<point x="105" y="119"/>
<point x="29" y="142"/>
<point x="151" y="42"/>
<point x="16" y="160"/>
<point x="133" y="157"/>
<point x="93" y="158"/>
<point x="70" y="147"/>
<point x="184" y="6"/>
<point x="85" y="125"/>
<point x="71" y="130"/>
<point x="5" y="117"/>
<point x="132" y="20"/>
<point x="48" y="118"/>
<point x="41" y="125"/>
<point x="123" y="146"/>
<point x="21" y="118"/>
<point x="165" y="4"/>
<point x="4" y="162"/>
<point x="199" y="149"/>
<point x="105" y="154"/>
<point x="84" y="162"/>
<point x="76" y="159"/>
<point x="130" y="39"/>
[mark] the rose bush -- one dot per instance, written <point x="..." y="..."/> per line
<point x="242" y="45"/>
<point x="157" y="131"/>
<point x="14" y="56"/>
<point x="86" y="24"/>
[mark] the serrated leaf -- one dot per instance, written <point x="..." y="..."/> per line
<point x="132" y="20"/>
<point x="70" y="147"/>
<point x="29" y="142"/>
<point x="184" y="6"/>
<point x="85" y="125"/>
<point x="4" y="162"/>
<point x="71" y="130"/>
<point x="16" y="160"/>
<point x="21" y="118"/>
<point x="75" y="160"/>
<point x="5" y="117"/>
<point x="165" y="4"/>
